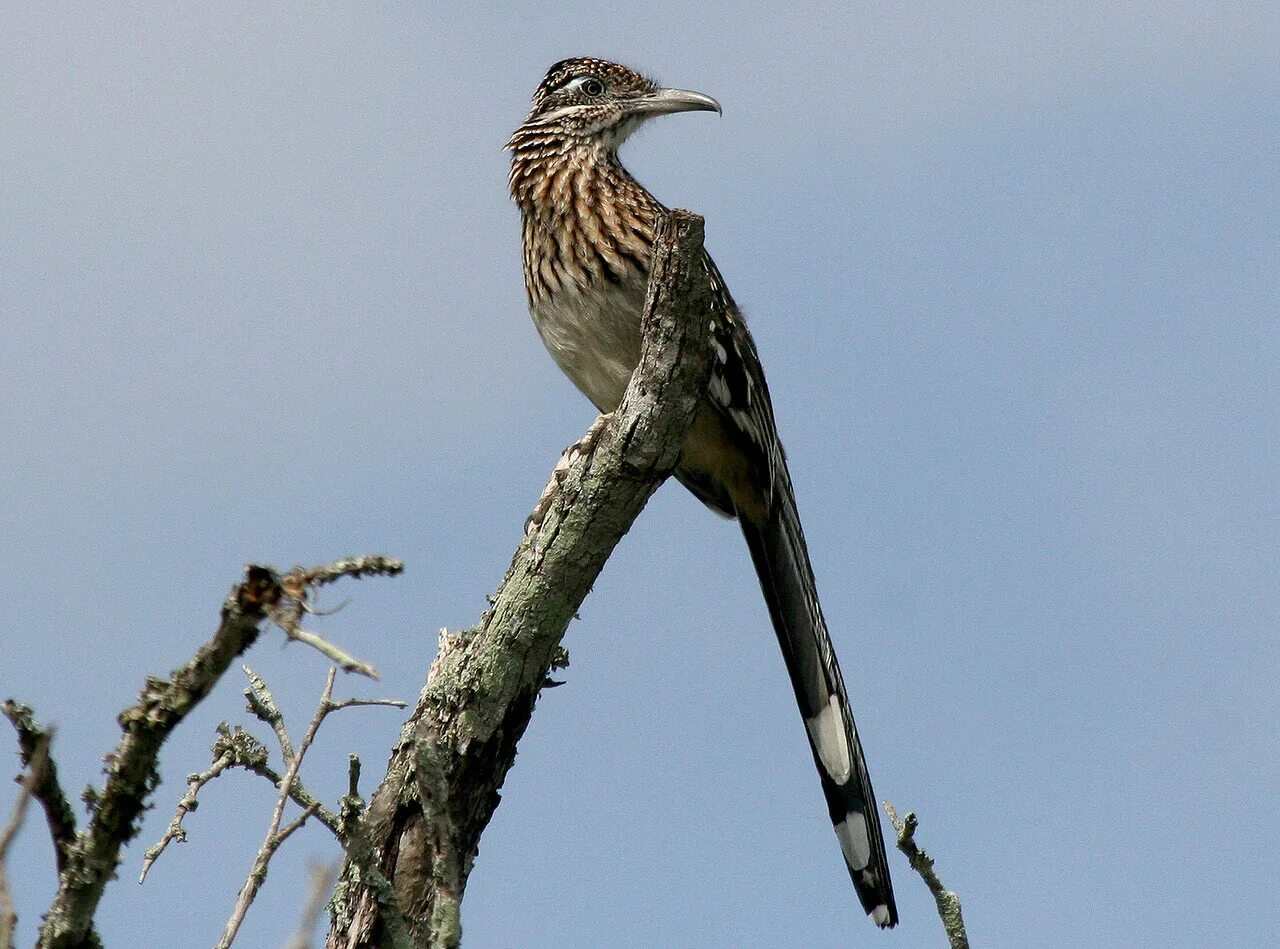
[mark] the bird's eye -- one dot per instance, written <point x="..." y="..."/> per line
<point x="593" y="88"/>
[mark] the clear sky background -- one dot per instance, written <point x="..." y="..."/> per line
<point x="1013" y="273"/>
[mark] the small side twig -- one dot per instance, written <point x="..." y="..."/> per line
<point x="36" y="767"/>
<point x="188" y="803"/>
<point x="288" y="613"/>
<point x="46" y="789"/>
<point x="91" y="857"/>
<point x="922" y="863"/>
<point x="263" y="705"/>
<point x="261" y="702"/>
<point x="363" y="878"/>
<point x="287" y="830"/>
<point x="367" y="703"/>
<point x="329" y="650"/>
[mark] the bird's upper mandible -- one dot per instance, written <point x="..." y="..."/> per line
<point x="587" y="97"/>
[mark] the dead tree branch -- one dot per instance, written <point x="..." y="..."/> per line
<point x="236" y="748"/>
<point x="30" y="781"/>
<point x="46" y="789"/>
<point x="262" y="702"/>
<point x="186" y="804"/>
<point x="922" y="863"/>
<point x="441" y="787"/>
<point x="89" y="860"/>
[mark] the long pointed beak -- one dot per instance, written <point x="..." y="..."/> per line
<point x="674" y="100"/>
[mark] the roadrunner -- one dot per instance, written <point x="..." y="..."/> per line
<point x="588" y="228"/>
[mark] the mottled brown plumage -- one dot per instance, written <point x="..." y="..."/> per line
<point x="587" y="229"/>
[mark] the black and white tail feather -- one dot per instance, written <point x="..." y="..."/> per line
<point x="786" y="578"/>
<point x="776" y="540"/>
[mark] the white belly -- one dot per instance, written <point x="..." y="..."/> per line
<point x="594" y="336"/>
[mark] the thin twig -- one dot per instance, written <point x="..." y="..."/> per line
<point x="263" y="703"/>
<point x="186" y="804"/>
<point x="364" y="703"/>
<point x="131" y="769"/>
<point x="329" y="650"/>
<point x="287" y="830"/>
<point x="300" y="796"/>
<point x="39" y="763"/>
<point x="314" y="610"/>
<point x="258" y="872"/>
<point x="922" y="863"/>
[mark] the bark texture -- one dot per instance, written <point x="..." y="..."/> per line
<point x="441" y="788"/>
<point x="87" y="859"/>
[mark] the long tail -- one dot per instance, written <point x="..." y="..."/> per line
<point x="786" y="577"/>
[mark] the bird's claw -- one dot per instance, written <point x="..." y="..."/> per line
<point x="588" y="442"/>
<point x="583" y="447"/>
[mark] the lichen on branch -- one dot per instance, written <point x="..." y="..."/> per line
<point x="441" y="787"/>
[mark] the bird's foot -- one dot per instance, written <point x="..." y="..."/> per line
<point x="588" y="442"/>
<point x="583" y="447"/>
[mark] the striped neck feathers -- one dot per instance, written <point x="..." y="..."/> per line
<point x="579" y="204"/>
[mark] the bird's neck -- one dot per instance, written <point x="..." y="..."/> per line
<point x="554" y="175"/>
<point x="585" y="217"/>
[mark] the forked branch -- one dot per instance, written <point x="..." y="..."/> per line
<point x="88" y="860"/>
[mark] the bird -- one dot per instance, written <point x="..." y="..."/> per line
<point x="587" y="230"/>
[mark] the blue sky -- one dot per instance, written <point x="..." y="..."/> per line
<point x="1012" y="272"/>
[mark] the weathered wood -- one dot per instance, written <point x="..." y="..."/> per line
<point x="441" y="787"/>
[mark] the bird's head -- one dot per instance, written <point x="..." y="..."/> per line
<point x="599" y="102"/>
